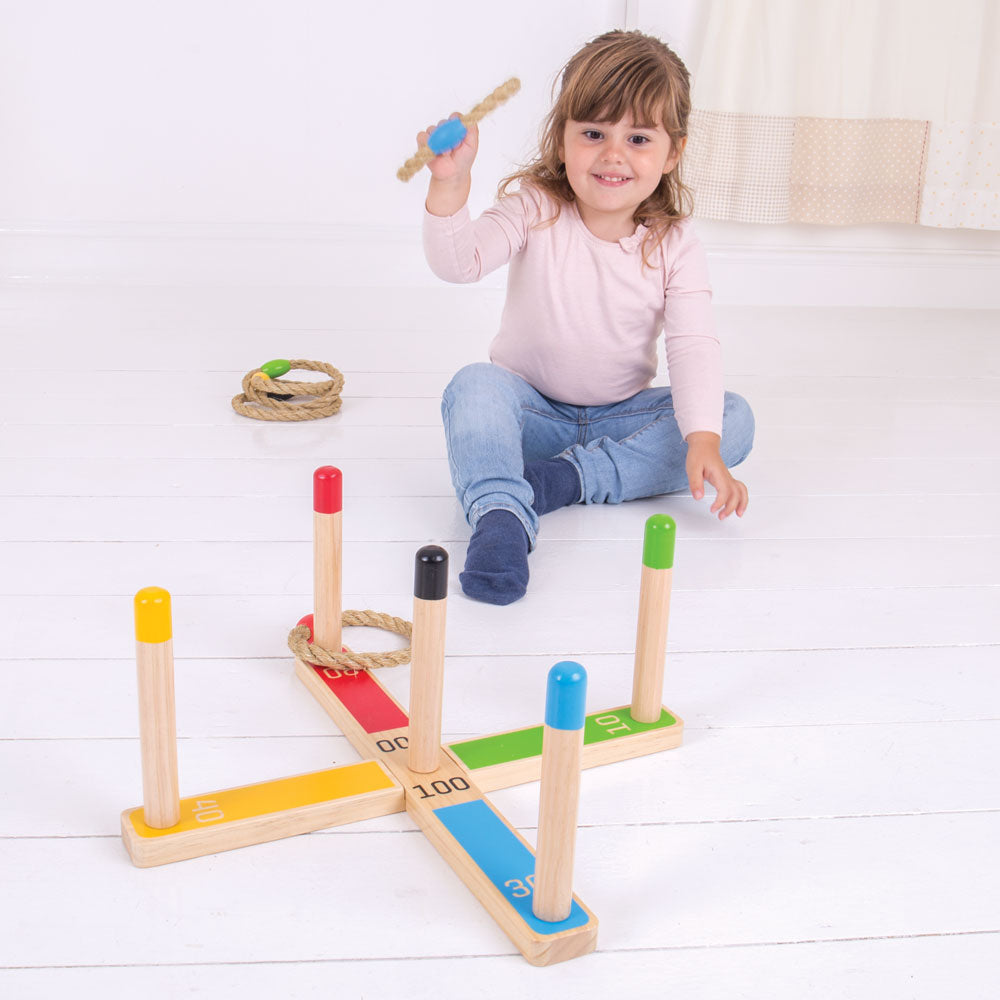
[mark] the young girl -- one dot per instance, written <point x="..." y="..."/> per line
<point x="602" y="257"/>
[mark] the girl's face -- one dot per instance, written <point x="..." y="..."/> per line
<point x="613" y="167"/>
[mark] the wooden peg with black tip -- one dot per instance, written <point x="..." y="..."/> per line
<point x="430" y="598"/>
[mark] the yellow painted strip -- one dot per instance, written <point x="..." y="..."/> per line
<point x="267" y="797"/>
<point x="152" y="615"/>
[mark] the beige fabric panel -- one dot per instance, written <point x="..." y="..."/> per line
<point x="847" y="172"/>
<point x="912" y="59"/>
<point x="738" y="166"/>
<point x="962" y="181"/>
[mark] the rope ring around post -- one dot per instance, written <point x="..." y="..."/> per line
<point x="308" y="652"/>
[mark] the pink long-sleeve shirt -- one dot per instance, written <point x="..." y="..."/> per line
<point x="582" y="315"/>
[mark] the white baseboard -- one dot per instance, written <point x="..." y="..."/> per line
<point x="820" y="276"/>
<point x="301" y="255"/>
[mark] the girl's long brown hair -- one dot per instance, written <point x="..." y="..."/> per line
<point x="616" y="73"/>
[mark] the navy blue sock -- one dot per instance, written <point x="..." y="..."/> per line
<point x="556" y="484"/>
<point x="496" y="566"/>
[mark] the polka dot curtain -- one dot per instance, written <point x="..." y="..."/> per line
<point x="843" y="113"/>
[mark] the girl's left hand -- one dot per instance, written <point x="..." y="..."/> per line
<point x="705" y="462"/>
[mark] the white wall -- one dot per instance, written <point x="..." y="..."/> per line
<point x="259" y="111"/>
<point x="249" y="140"/>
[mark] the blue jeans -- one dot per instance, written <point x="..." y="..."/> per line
<point x="495" y="423"/>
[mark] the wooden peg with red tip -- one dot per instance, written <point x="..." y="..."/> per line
<point x="328" y="503"/>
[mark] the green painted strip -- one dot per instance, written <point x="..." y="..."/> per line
<point x="502" y="749"/>
<point x="603" y="726"/>
<point x="524" y="743"/>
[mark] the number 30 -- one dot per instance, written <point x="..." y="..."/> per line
<point x="519" y="889"/>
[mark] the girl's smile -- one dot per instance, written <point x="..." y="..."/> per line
<point x="613" y="167"/>
<point x="612" y="180"/>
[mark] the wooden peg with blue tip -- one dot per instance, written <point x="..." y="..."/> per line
<point x="451" y="134"/>
<point x="654" y="615"/>
<point x="562" y="755"/>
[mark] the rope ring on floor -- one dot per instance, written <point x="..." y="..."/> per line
<point x="299" y="642"/>
<point x="266" y="397"/>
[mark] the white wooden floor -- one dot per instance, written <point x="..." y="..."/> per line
<point x="828" y="829"/>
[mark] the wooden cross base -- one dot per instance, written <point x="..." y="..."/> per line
<point x="448" y="804"/>
<point x="490" y="857"/>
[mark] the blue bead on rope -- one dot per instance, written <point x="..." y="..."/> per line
<point x="447" y="136"/>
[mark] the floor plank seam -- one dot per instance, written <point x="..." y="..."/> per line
<point x="455" y="737"/>
<point x="757" y="651"/>
<point x="595" y="826"/>
<point x="966" y="933"/>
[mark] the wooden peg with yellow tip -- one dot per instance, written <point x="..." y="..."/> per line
<point x="154" y="658"/>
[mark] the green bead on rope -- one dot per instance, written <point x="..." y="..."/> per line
<point x="276" y="368"/>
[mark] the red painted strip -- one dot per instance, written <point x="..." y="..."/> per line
<point x="364" y="698"/>
<point x="360" y="694"/>
<point x="328" y="490"/>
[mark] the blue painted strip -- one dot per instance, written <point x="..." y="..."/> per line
<point x="504" y="860"/>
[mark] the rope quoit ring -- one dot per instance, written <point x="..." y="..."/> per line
<point x="456" y="132"/>
<point x="267" y="396"/>
<point x="299" y="642"/>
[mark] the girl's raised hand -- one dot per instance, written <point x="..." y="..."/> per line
<point x="456" y="164"/>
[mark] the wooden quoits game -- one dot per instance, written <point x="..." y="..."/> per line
<point x="406" y="767"/>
